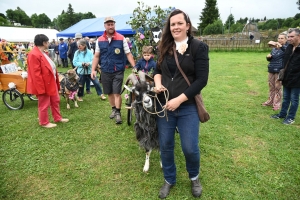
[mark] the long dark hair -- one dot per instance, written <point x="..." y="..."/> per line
<point x="167" y="40"/>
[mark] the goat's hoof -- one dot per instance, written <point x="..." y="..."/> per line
<point x="145" y="169"/>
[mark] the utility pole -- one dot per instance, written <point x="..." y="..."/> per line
<point x="229" y="20"/>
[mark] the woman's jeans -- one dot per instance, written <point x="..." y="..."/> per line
<point x="290" y="102"/>
<point x="82" y="81"/>
<point x="186" y="119"/>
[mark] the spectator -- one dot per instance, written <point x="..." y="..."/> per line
<point x="275" y="65"/>
<point x="51" y="49"/>
<point x="291" y="80"/>
<point x="73" y="48"/>
<point x="63" y="49"/>
<point x="21" y="50"/>
<point x="87" y="39"/>
<point x="110" y="52"/>
<point x="83" y="58"/>
<point x="43" y="82"/>
<point x="57" y="57"/>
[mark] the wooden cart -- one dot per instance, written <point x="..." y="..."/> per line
<point x="13" y="97"/>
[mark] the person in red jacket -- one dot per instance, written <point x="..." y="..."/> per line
<point x="43" y="82"/>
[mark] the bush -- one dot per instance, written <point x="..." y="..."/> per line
<point x="214" y="28"/>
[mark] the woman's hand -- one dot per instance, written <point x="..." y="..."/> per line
<point x="173" y="104"/>
<point x="159" y="89"/>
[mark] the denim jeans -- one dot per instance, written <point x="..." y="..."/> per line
<point x="82" y="81"/>
<point x="290" y="102"/>
<point x="186" y="119"/>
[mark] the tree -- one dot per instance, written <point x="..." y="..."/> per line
<point x="18" y="16"/>
<point x="296" y="23"/>
<point x="229" y="21"/>
<point x="144" y="19"/>
<point x="298" y="3"/>
<point x="3" y="21"/>
<point x="69" y="18"/>
<point x="236" y="28"/>
<point x="242" y="21"/>
<point x="297" y="16"/>
<point x="271" y="24"/>
<point x="40" y="21"/>
<point x="209" y="14"/>
<point x="288" y="22"/>
<point x="214" y="28"/>
<point x="3" y="16"/>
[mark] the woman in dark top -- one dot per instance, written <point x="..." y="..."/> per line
<point x="181" y="106"/>
<point x="275" y="65"/>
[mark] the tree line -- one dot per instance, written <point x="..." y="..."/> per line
<point x="64" y="20"/>
<point x="210" y="22"/>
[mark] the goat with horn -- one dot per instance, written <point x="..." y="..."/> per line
<point x="144" y="105"/>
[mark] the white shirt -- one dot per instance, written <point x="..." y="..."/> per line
<point x="125" y="46"/>
<point x="52" y="65"/>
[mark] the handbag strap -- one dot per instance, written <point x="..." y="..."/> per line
<point x="177" y="63"/>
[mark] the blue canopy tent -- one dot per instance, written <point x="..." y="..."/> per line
<point x="95" y="27"/>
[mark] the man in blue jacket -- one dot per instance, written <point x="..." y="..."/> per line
<point x="63" y="49"/>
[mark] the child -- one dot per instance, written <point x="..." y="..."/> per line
<point x="146" y="64"/>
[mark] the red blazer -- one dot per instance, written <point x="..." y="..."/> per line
<point x="40" y="78"/>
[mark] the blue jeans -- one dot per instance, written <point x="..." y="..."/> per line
<point x="290" y="102"/>
<point x="88" y="85"/>
<point x="186" y="119"/>
<point x="82" y="81"/>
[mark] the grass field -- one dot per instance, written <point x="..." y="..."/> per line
<point x="244" y="153"/>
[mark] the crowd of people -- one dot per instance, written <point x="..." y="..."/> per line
<point x="112" y="51"/>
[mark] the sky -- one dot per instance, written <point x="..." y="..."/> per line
<point x="103" y="8"/>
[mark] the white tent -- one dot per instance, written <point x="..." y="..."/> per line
<point x="14" y="34"/>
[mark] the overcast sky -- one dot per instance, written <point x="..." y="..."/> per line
<point x="102" y="8"/>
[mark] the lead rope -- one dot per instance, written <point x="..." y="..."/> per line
<point x="166" y="94"/>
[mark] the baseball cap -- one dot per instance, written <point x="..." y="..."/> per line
<point x="108" y="19"/>
<point x="78" y="36"/>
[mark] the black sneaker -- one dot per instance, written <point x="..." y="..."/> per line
<point x="277" y="116"/>
<point x="113" y="113"/>
<point x="118" y="118"/>
<point x="288" y="121"/>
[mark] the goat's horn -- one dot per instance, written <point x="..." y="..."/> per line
<point x="131" y="78"/>
<point x="142" y="76"/>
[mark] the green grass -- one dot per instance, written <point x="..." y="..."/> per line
<point x="244" y="153"/>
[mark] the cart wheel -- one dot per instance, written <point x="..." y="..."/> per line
<point x="129" y="111"/>
<point x="32" y="97"/>
<point x="13" y="99"/>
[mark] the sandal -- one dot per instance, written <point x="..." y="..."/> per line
<point x="276" y="107"/>
<point x="267" y="103"/>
